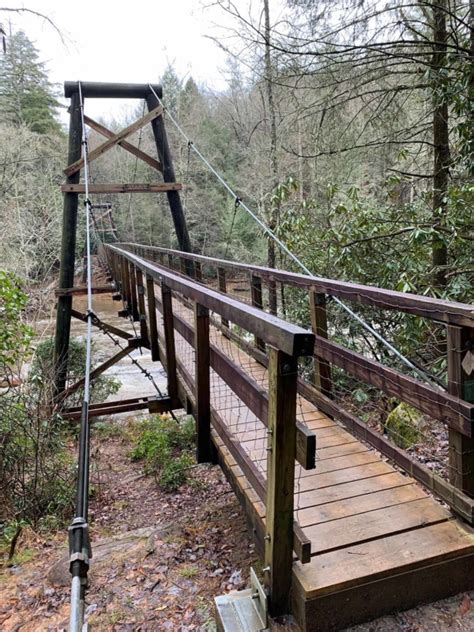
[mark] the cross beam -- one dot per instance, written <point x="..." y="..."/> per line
<point x="114" y="140"/>
<point x="104" y="131"/>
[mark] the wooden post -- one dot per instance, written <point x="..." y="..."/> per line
<point x="257" y="301"/>
<point x="126" y="284"/>
<point x="460" y="343"/>
<point x="153" y="329"/>
<point x="198" y="271"/>
<point x="202" y="375"/>
<point x="141" y="308"/>
<point x="282" y="384"/>
<point x="133" y="293"/>
<point x="170" y="349"/>
<point x="322" y="368"/>
<point x="174" y="199"/>
<point x="68" y="251"/>
<point x="222" y="285"/>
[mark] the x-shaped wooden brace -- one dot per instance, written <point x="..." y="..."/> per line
<point x="116" y="139"/>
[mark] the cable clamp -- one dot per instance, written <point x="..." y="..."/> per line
<point x="190" y="144"/>
<point x="238" y="200"/>
<point x="85" y="553"/>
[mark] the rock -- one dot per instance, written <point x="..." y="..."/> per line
<point x="119" y="547"/>
<point x="404" y="425"/>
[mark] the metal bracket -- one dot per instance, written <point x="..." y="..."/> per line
<point x="259" y="598"/>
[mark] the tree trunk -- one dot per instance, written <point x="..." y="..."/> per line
<point x="274" y="206"/>
<point x="441" y="144"/>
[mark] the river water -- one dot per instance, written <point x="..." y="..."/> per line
<point x="133" y="382"/>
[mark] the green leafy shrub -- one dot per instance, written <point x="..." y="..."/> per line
<point x="164" y="445"/>
<point x="15" y="334"/>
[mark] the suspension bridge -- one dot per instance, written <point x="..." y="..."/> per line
<point x="350" y="523"/>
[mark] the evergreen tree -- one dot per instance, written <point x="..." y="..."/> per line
<point x="26" y="95"/>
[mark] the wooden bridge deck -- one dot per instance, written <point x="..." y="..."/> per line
<point x="379" y="541"/>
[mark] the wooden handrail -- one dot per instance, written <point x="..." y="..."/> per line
<point x="287" y="337"/>
<point x="433" y="308"/>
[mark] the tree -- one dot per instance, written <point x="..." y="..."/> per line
<point x="26" y="95"/>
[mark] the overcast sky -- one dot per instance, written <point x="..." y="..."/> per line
<point x="124" y="41"/>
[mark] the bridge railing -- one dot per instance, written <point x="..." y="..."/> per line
<point x="198" y="370"/>
<point x="339" y="372"/>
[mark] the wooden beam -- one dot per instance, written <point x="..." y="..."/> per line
<point x="114" y="140"/>
<point x="222" y="285"/>
<point x="133" y="343"/>
<point x="202" y="384"/>
<point x="319" y="323"/>
<point x="460" y="345"/>
<point x="141" y="306"/>
<point x="153" y="404"/>
<point x="174" y="200"/>
<point x="152" y="325"/>
<point x="170" y="353"/>
<point x="101" y="129"/>
<point x="434" y="402"/>
<point x="425" y="306"/>
<point x="257" y="301"/>
<point x="283" y="374"/>
<point x="81" y="291"/>
<point x="122" y="188"/>
<point x="101" y="325"/>
<point x="68" y="253"/>
<point x="101" y="90"/>
<point x="253" y="396"/>
<point x="288" y="337"/>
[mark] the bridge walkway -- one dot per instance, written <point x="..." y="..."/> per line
<point x="379" y="541"/>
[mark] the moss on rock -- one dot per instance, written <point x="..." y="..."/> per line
<point x="403" y="425"/>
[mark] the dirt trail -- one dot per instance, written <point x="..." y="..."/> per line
<point x="160" y="559"/>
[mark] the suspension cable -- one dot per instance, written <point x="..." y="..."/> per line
<point x="79" y="545"/>
<point x="424" y="374"/>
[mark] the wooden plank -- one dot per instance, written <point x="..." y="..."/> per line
<point x="101" y="129"/>
<point x="112" y="187"/>
<point x="349" y="507"/>
<point x="456" y="499"/>
<point x="151" y="303"/>
<point x="202" y="384"/>
<point x="372" y="525"/>
<point x="283" y="371"/>
<point x="153" y="404"/>
<point x="112" y="141"/>
<point x="374" y="560"/>
<point x="349" y="490"/>
<point x="432" y="577"/>
<point x="428" y="307"/>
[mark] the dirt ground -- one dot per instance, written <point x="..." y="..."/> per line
<point x="160" y="559"/>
